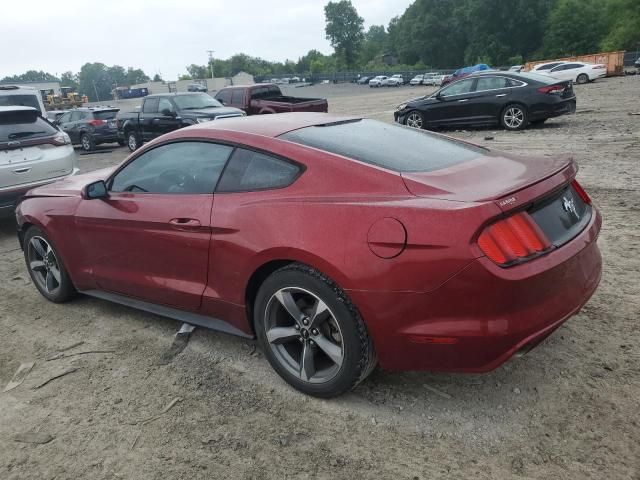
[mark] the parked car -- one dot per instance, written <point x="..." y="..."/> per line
<point x="197" y="87"/>
<point x="417" y="80"/>
<point x="393" y="81"/>
<point x="363" y="80"/>
<point x="335" y="254"/>
<point x="54" y="115"/>
<point x="14" y="95"/>
<point x="579" y="72"/>
<point x="433" y="79"/>
<point x="463" y="72"/>
<point x="546" y="66"/>
<point x="165" y="112"/>
<point x="90" y="126"/>
<point x="32" y="152"/>
<point x="516" y="68"/>
<point x="376" y="82"/>
<point x="263" y="98"/>
<point x="513" y="100"/>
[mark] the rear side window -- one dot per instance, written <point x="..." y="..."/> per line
<point x="21" y="100"/>
<point x="248" y="170"/>
<point x="394" y="147"/>
<point x="17" y="126"/>
<point x="105" y="115"/>
<point x="150" y="105"/>
<point x="491" y="83"/>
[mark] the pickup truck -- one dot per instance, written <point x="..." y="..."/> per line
<point x="165" y="112"/>
<point x="266" y="98"/>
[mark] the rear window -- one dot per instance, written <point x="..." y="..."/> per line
<point x="393" y="147"/>
<point x="16" y="126"/>
<point x="22" y="100"/>
<point x="105" y="115"/>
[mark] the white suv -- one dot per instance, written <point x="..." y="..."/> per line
<point x="377" y="81"/>
<point x="13" y="95"/>
<point x="395" y="81"/>
<point x="32" y="153"/>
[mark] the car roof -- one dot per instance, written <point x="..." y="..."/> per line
<point x="172" y="94"/>
<point x="273" y="125"/>
<point x="17" y="108"/>
<point x="100" y="108"/>
<point x="17" y="89"/>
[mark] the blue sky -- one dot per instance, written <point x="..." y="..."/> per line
<point x="165" y="35"/>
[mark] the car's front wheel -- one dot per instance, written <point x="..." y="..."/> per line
<point x="415" y="119"/>
<point x="310" y="332"/>
<point x="46" y="268"/>
<point x="514" y="117"/>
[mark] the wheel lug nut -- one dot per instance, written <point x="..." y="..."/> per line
<point x="305" y="321"/>
<point x="297" y="327"/>
<point x="311" y="342"/>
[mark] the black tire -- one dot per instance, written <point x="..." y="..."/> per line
<point x="342" y="319"/>
<point x="87" y="142"/>
<point x="133" y="140"/>
<point x="582" y="79"/>
<point x="60" y="289"/>
<point x="514" y="117"/>
<point x="415" y="119"/>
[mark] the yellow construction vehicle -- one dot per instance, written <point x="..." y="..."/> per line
<point x="67" y="99"/>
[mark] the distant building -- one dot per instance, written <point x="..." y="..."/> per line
<point x="388" y="59"/>
<point x="212" y="84"/>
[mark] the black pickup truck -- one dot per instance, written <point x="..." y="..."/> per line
<point x="166" y="112"/>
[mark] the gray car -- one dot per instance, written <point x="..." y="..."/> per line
<point x="32" y="153"/>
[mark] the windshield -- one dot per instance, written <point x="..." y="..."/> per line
<point x="195" y="101"/>
<point x="393" y="147"/>
<point x="23" y="125"/>
<point x="23" y="100"/>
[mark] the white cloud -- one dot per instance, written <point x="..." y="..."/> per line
<point x="165" y="35"/>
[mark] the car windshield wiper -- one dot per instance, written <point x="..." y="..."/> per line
<point x="13" y="136"/>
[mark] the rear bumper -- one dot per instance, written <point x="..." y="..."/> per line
<point x="485" y="314"/>
<point x="549" y="110"/>
<point x="105" y="137"/>
<point x="10" y="196"/>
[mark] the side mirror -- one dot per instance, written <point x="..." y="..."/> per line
<point x="96" y="190"/>
<point x="168" y="113"/>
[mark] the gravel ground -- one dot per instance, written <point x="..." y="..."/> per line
<point x="216" y="410"/>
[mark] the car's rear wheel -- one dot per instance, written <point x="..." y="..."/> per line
<point x="133" y="141"/>
<point x="415" y="119"/>
<point x="310" y="332"/>
<point x="514" y="117"/>
<point x="46" y="268"/>
<point x="87" y="142"/>
<point x="582" y="78"/>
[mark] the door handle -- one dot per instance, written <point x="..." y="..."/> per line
<point x="187" y="224"/>
<point x="463" y="100"/>
<point x="501" y="95"/>
<point x="22" y="170"/>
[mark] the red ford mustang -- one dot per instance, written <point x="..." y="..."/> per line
<point x="337" y="242"/>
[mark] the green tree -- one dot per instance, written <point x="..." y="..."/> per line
<point x="32" y="76"/>
<point x="623" y="25"/>
<point x="95" y="81"/>
<point x="198" y="71"/>
<point x="69" y="79"/>
<point x="575" y="27"/>
<point x="344" y="29"/>
<point x="135" y="75"/>
<point x="375" y="43"/>
<point x="157" y="77"/>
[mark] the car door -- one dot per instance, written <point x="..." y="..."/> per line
<point x="70" y="127"/>
<point x="565" y="72"/>
<point x="167" y="119"/>
<point x="452" y="105"/>
<point x="146" y="117"/>
<point x="150" y="239"/>
<point x="489" y="97"/>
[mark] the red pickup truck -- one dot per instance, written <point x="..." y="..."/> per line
<point x="267" y="98"/>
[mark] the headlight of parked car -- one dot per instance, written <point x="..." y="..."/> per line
<point x="203" y="119"/>
<point x="401" y="107"/>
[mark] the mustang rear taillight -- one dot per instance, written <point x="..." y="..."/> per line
<point x="513" y="239"/>
<point x="580" y="191"/>
<point x="552" y="89"/>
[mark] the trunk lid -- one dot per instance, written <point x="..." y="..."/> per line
<point x="509" y="181"/>
<point x="19" y="166"/>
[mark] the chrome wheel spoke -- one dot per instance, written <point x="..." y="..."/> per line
<point x="280" y="335"/>
<point x="38" y="247"/>
<point x="56" y="273"/>
<point x="50" y="282"/>
<point x="319" y="315"/>
<point x="287" y="301"/>
<point x="36" y="265"/>
<point x="307" y="362"/>
<point x="333" y="351"/>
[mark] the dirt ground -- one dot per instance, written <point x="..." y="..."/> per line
<point x="216" y="410"/>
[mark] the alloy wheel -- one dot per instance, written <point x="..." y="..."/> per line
<point x="414" y="120"/>
<point x="86" y="143"/>
<point x="44" y="265"/>
<point x="513" y="117"/>
<point x="133" y="142"/>
<point x="303" y="335"/>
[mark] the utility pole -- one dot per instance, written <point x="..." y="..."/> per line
<point x="96" y="90"/>
<point x="211" y="52"/>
